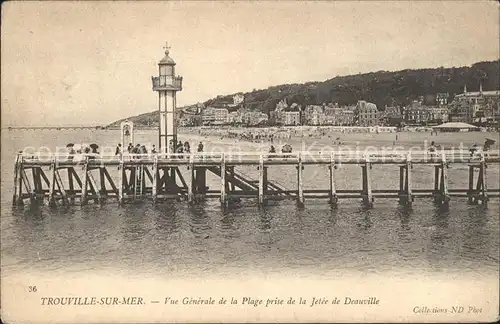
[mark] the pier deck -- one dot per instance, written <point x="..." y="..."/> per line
<point x="38" y="178"/>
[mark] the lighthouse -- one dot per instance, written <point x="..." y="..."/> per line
<point x="167" y="84"/>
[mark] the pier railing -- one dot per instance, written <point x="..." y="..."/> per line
<point x="306" y="157"/>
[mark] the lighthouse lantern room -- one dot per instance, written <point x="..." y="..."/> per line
<point x="167" y="84"/>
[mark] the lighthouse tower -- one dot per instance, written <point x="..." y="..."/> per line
<point x="167" y="84"/>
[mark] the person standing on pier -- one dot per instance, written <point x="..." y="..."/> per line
<point x="118" y="151"/>
<point x="171" y="146"/>
<point x="187" y="148"/>
<point x="153" y="149"/>
<point x="474" y="148"/>
<point x="433" y="150"/>
<point x="200" y="147"/>
<point x="130" y="148"/>
<point x="180" y="149"/>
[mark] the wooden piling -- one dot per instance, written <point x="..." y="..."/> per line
<point x="401" y="184"/>
<point x="36" y="184"/>
<point x="300" y="184"/>
<point x="266" y="185"/>
<point x="83" y="201"/>
<point x="223" y="198"/>
<point x="15" y="199"/>
<point x="333" y="191"/>
<point x="201" y="182"/>
<point x="367" y="185"/>
<point x="155" y="179"/>
<point x="484" y="192"/>
<point x="122" y="175"/>
<point x="443" y="183"/>
<point x="481" y="188"/>
<point x="71" y="184"/>
<point x="261" y="181"/>
<point x="408" y="184"/>
<point x="191" y="181"/>
<point x="52" y="201"/>
<point x="471" y="192"/>
<point x="437" y="181"/>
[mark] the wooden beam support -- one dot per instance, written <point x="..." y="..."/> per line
<point x="102" y="181"/>
<point x="232" y="187"/>
<point x="27" y="186"/>
<point x="94" y="188"/>
<point x="61" y="187"/>
<point x="110" y="181"/>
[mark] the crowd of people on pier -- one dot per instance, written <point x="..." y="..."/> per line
<point x="139" y="150"/>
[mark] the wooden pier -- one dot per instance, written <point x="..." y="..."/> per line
<point x="156" y="177"/>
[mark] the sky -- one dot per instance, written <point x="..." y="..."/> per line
<point x="90" y="63"/>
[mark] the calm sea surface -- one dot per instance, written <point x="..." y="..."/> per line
<point x="175" y="239"/>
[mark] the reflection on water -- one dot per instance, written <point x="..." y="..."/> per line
<point x="174" y="237"/>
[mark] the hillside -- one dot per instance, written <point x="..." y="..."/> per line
<point x="381" y="87"/>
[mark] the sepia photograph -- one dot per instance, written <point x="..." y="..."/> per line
<point x="250" y="161"/>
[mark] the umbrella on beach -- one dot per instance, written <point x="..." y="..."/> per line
<point x="70" y="145"/>
<point x="490" y="141"/>
<point x="94" y="146"/>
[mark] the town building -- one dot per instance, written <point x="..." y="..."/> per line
<point x="366" y="114"/>
<point x="346" y="117"/>
<point x="416" y="113"/>
<point x="438" y="114"/>
<point x="475" y="106"/>
<point x="291" y="118"/>
<point x="314" y="115"/>
<point x="235" y="117"/>
<point x="254" y="118"/>
<point x="215" y="116"/>
<point x="442" y="99"/>
<point x="208" y="116"/>
<point x="221" y="116"/>
<point x="392" y="116"/>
